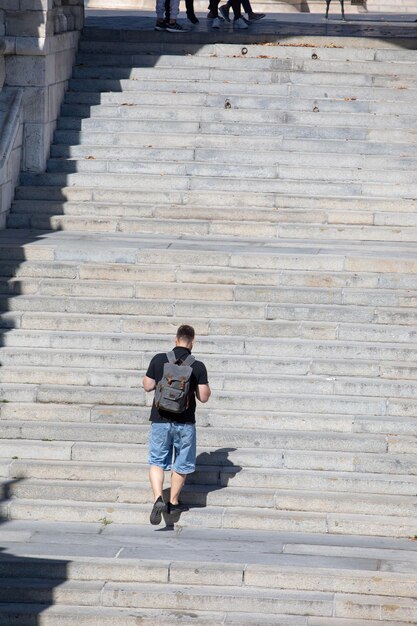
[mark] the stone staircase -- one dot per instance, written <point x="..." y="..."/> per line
<point x="265" y="194"/>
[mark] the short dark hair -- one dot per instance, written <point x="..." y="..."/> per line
<point x="186" y="333"/>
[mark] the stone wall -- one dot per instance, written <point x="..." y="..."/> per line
<point x="38" y="43"/>
<point x="11" y="145"/>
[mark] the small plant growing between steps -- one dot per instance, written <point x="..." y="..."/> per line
<point x="105" y="521"/>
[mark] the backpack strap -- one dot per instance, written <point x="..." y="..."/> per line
<point x="171" y="357"/>
<point x="189" y="360"/>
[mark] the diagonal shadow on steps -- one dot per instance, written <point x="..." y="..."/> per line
<point x="27" y="584"/>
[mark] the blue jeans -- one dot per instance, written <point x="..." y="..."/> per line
<point x="168" y="439"/>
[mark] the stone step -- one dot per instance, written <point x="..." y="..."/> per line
<point x="328" y="578"/>
<point x="97" y="283"/>
<point x="356" y="232"/>
<point x="96" y="156"/>
<point x="316" y="460"/>
<point x="85" y="593"/>
<point x="142" y="595"/>
<point x="269" y="72"/>
<point x="202" y="495"/>
<point x="217" y="140"/>
<point x="353" y="482"/>
<point x="241" y="438"/>
<point x="230" y="170"/>
<point x="296" y="85"/>
<point x="229" y="486"/>
<point x="65" y="615"/>
<point x="286" y="348"/>
<point x="260" y="62"/>
<point x="83" y="380"/>
<point x="194" y="219"/>
<point x="204" y="220"/>
<point x="135" y="362"/>
<point x="260" y="601"/>
<point x="214" y="517"/>
<point x="279" y="400"/>
<point x="387" y="230"/>
<point x="224" y="127"/>
<point x="106" y="372"/>
<point x="399" y="419"/>
<point x="344" y="204"/>
<point x="226" y="251"/>
<point x="328" y="212"/>
<point x="313" y="88"/>
<point x="128" y="273"/>
<point x="236" y="114"/>
<point x="229" y="299"/>
<point x="274" y="102"/>
<point x="279" y="50"/>
<point x="285" y="125"/>
<point x="111" y="100"/>
<point x="144" y="249"/>
<point x="125" y="182"/>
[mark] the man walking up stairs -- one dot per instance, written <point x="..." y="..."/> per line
<point x="177" y="379"/>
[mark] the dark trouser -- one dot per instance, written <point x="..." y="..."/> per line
<point x="328" y="2"/>
<point x="189" y="7"/>
<point x="235" y="4"/>
<point x="247" y="8"/>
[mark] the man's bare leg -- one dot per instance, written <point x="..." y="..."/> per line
<point x="156" y="477"/>
<point x="177" y="483"/>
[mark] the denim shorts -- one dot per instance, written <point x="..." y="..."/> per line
<point x="168" y="439"/>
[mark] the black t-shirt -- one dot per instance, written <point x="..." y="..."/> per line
<point x="198" y="377"/>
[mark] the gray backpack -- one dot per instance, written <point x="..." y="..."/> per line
<point x="172" y="393"/>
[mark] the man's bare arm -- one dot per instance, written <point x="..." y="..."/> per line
<point x="148" y="383"/>
<point x="203" y="393"/>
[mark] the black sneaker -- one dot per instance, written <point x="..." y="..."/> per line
<point x="177" y="508"/>
<point x="159" y="507"/>
<point x="174" y="28"/>
<point x="160" y="25"/>
<point x="254" y="17"/>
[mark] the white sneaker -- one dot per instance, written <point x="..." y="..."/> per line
<point x="216" y="23"/>
<point x="239" y="24"/>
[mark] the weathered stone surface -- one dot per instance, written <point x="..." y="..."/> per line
<point x="282" y="228"/>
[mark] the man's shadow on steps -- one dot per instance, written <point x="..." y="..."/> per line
<point x="213" y="471"/>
